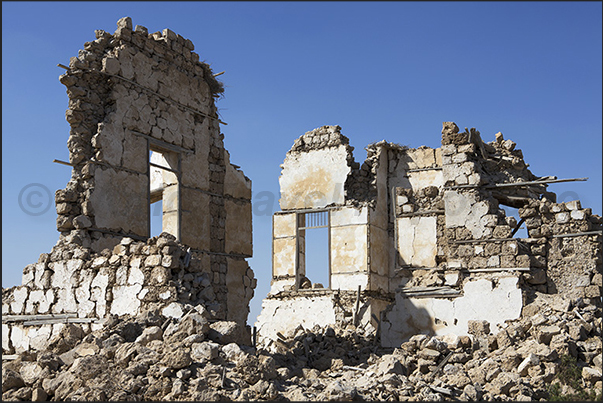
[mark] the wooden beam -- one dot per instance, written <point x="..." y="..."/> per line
<point x="22" y="318"/>
<point x="357" y="307"/>
<point x="536" y="182"/>
<point x="419" y="213"/>
<point x="495" y="269"/>
<point x="600" y="232"/>
<point x="515" y="184"/>
<point x="491" y="240"/>
<point x="62" y="162"/>
<point x="517" y="227"/>
<point x="424" y="169"/>
<point x="424" y="292"/>
<point x="57" y="320"/>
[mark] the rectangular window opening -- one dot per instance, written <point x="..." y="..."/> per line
<point x="164" y="191"/>
<point x="313" y="250"/>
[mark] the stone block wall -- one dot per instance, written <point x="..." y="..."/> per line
<point x="132" y="93"/>
<point x="568" y="253"/>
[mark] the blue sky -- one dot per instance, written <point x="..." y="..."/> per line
<point x="380" y="70"/>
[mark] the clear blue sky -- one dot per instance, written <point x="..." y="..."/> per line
<point x="380" y="70"/>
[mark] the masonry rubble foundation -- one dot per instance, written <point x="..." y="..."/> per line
<point x="422" y="234"/>
<point x="144" y="128"/>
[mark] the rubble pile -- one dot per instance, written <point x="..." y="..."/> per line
<point x="194" y="357"/>
<point x="74" y="280"/>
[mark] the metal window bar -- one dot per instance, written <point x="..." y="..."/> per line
<point x="318" y="219"/>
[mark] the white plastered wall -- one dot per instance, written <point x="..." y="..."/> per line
<point x="417" y="241"/>
<point x="314" y="179"/>
<point x="482" y="299"/>
<point x="349" y="248"/>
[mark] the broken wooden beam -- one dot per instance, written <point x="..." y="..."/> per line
<point x="357" y="307"/>
<point x="518" y="227"/>
<point x="23" y="318"/>
<point x="514" y="184"/>
<point x="599" y="232"/>
<point x="536" y="182"/>
<point x="425" y="292"/>
<point x="50" y="319"/>
<point x="424" y="169"/>
<point x="496" y="269"/>
<point x="62" y="162"/>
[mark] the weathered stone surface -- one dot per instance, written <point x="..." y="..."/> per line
<point x="228" y="332"/>
<point x="11" y="379"/>
<point x="206" y="350"/>
<point x="409" y="223"/>
<point x="149" y="334"/>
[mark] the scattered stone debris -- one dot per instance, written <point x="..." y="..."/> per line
<point x="156" y="357"/>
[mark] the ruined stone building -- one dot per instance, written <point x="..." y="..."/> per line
<point x="418" y="241"/>
<point x="144" y="128"/>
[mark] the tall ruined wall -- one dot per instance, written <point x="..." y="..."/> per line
<point x="132" y="93"/>
<point x="143" y="127"/>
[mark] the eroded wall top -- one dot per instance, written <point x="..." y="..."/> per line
<point x="316" y="169"/>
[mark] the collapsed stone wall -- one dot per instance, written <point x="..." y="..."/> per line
<point x="473" y="254"/>
<point x="426" y="230"/>
<point x="143" y="127"/>
<point x="129" y="279"/>
<point x="473" y="231"/>
<point x="555" y="349"/>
